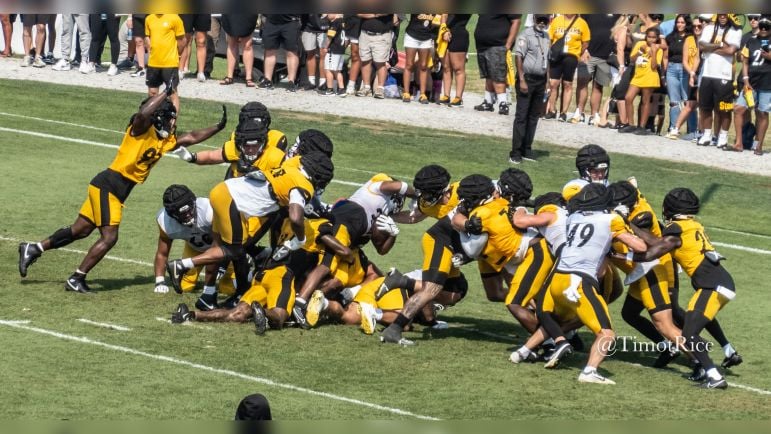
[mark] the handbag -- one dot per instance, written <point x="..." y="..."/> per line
<point x="557" y="50"/>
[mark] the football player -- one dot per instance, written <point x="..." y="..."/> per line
<point x="151" y="133"/>
<point x="593" y="164"/>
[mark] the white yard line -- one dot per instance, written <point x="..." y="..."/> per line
<point x="743" y="248"/>
<point x="83" y="252"/>
<point x="733" y="231"/>
<point x="225" y="372"/>
<point x="104" y="325"/>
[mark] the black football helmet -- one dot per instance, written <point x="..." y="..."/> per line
<point x="594" y="197"/>
<point x="680" y="202"/>
<point x="250" y="139"/>
<point x="311" y="140"/>
<point x="319" y="168"/>
<point x="430" y="183"/>
<point x="255" y="112"/>
<point x="593" y="158"/>
<point x="179" y="203"/>
<point x="515" y="186"/>
<point x="163" y="118"/>
<point x="473" y="190"/>
<point x="550" y="198"/>
<point x="624" y="193"/>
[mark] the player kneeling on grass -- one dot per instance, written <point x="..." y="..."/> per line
<point x="151" y="133"/>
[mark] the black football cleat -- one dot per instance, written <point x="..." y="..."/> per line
<point x="391" y="281"/>
<point x="176" y="271"/>
<point x="561" y="350"/>
<point x="299" y="318"/>
<point x="28" y="254"/>
<point x="259" y="318"/>
<point x="577" y="343"/>
<point x="77" y="284"/>
<point x="393" y="335"/>
<point x="665" y="358"/>
<point x="714" y="384"/>
<point x="484" y="107"/>
<point x="231" y="302"/>
<point x="733" y="360"/>
<point x="699" y="374"/>
<point x="181" y="315"/>
<point x="206" y="302"/>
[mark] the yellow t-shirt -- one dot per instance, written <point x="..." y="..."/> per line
<point x="163" y="31"/>
<point x="578" y="34"/>
<point x="503" y="238"/>
<point x="137" y="155"/>
<point x="644" y="76"/>
<point x="285" y="179"/>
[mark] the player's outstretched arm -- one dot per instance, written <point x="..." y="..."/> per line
<point x="198" y="136"/>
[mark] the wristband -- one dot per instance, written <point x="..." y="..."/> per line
<point x="746" y="77"/>
<point x="630" y="256"/>
<point x="160" y="279"/>
<point x="403" y="188"/>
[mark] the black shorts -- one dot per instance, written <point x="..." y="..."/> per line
<point x="563" y="69"/>
<point x="196" y="22"/>
<point x="33" y="19"/>
<point x="619" y="91"/>
<point x="693" y="93"/>
<point x="715" y="93"/>
<point x="492" y="64"/>
<point x="274" y="36"/>
<point x="157" y="76"/>
<point x="138" y="23"/>
<point x="459" y="42"/>
<point x="239" y="25"/>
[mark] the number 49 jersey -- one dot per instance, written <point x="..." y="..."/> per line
<point x="199" y="237"/>
<point x="588" y="241"/>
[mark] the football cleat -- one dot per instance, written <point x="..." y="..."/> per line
<point x="176" y="271"/>
<point x="231" y="302"/>
<point x="260" y="318"/>
<point x="484" y="107"/>
<point x="714" y="384"/>
<point x="666" y="357"/>
<point x="28" y="254"/>
<point x="206" y="302"/>
<point x="315" y="306"/>
<point x="368" y="321"/>
<point x="699" y="374"/>
<point x="733" y="360"/>
<point x="593" y="377"/>
<point x="77" y="284"/>
<point x="561" y="350"/>
<point x="299" y="317"/>
<point x="390" y="282"/>
<point x="517" y="357"/>
<point x="393" y="335"/>
<point x="181" y="315"/>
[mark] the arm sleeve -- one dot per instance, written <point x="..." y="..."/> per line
<point x="672" y="229"/>
<point x="586" y="33"/>
<point x="179" y="28"/>
<point x="520" y="47"/>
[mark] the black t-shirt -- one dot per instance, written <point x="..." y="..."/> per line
<point x="282" y="19"/>
<point x="337" y="43"/>
<point x="746" y="37"/>
<point x="421" y="27"/>
<point x="314" y="23"/>
<point x="601" y="45"/>
<point x="675" y="42"/>
<point x="352" y="26"/>
<point x="381" y="24"/>
<point x="458" y="21"/>
<point x="493" y="30"/>
<point x="760" y="69"/>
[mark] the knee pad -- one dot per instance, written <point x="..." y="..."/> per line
<point x="62" y="237"/>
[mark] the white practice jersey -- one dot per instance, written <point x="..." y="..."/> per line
<point x="199" y="235"/>
<point x="369" y="197"/>
<point x="555" y="233"/>
<point x="589" y="237"/>
<point x="252" y="196"/>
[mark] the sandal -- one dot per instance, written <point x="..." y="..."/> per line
<point x="227" y="81"/>
<point x="732" y="149"/>
<point x="249" y="82"/>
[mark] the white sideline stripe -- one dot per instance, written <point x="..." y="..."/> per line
<point x="226" y="372"/>
<point x="738" y="386"/>
<point x="738" y="247"/>
<point x="732" y="231"/>
<point x="83" y="252"/>
<point x="105" y="325"/>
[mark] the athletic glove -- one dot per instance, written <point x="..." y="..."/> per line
<point x="184" y="154"/>
<point x="473" y="225"/>
<point x="160" y="285"/>
<point x="457" y="260"/>
<point x="294" y="243"/>
<point x="622" y="210"/>
<point x="224" y="120"/>
<point x="572" y="294"/>
<point x="169" y="89"/>
<point x="386" y="224"/>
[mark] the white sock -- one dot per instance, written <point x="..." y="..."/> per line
<point x="209" y="289"/>
<point x="714" y="374"/>
<point x="503" y="97"/>
<point x="80" y="272"/>
<point x="524" y="351"/>
<point x="40" y="246"/>
<point x="312" y="80"/>
<point x="722" y="138"/>
<point x="707" y="134"/>
<point x="728" y="349"/>
<point x="489" y="97"/>
<point x="755" y="144"/>
<point x="322" y="81"/>
<point x="588" y="370"/>
<point x="549" y="341"/>
<point x="188" y="263"/>
<point x="351" y="85"/>
<point x="378" y="314"/>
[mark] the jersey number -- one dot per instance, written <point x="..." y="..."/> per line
<point x="200" y="241"/>
<point x="585" y="234"/>
<point x="149" y="157"/>
<point x="757" y="59"/>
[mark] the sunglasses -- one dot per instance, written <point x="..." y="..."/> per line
<point x="753" y="17"/>
<point x="698" y="26"/>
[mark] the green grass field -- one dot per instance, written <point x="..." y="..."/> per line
<point x="56" y="367"/>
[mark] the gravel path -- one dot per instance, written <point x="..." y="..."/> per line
<point x="462" y="120"/>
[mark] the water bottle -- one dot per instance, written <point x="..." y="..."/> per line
<point x="546" y="95"/>
<point x="130" y="33"/>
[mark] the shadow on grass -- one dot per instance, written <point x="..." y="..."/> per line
<point x="98" y="285"/>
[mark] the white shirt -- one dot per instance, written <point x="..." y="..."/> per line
<point x="589" y="237"/>
<point x="374" y="202"/>
<point x="199" y="235"/>
<point x="718" y="65"/>
<point x="251" y="196"/>
<point x="555" y="232"/>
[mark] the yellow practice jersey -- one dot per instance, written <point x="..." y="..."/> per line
<point x="440" y="210"/>
<point x="503" y="238"/>
<point x="642" y="208"/>
<point x="694" y="244"/>
<point x="285" y="179"/>
<point x="577" y="35"/>
<point x="314" y="229"/>
<point x="163" y="30"/>
<point x="137" y="155"/>
<point x="272" y="156"/>
<point x="644" y="75"/>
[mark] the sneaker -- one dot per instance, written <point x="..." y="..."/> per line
<point x="311" y="86"/>
<point x="139" y="73"/>
<point x="364" y="91"/>
<point x="714" y="384"/>
<point x="733" y="360"/>
<point x="698" y="374"/>
<point x="292" y="87"/>
<point x="350" y="90"/>
<point x="550" y="116"/>
<point x="440" y="325"/>
<point x="38" y="63"/>
<point x="181" y="315"/>
<point x="673" y="134"/>
<point x="201" y="77"/>
<point x="87" y="68"/>
<point x="704" y="141"/>
<point x="315" y="306"/>
<point x="642" y="132"/>
<point x="113" y="70"/>
<point x="176" y="271"/>
<point x="503" y="108"/>
<point x="517" y="357"/>
<point x="456" y="102"/>
<point x="206" y="302"/>
<point x="231" y="302"/>
<point x="515" y="160"/>
<point x="393" y="335"/>
<point x="125" y="64"/>
<point x="48" y="59"/>
<point x="391" y="281"/>
<point x="562" y="117"/>
<point x="265" y="84"/>
<point x="77" y="284"/>
<point x="561" y="350"/>
<point x="578" y="118"/>
<point x="62" y="65"/>
<point x="368" y="321"/>
<point x="28" y="254"/>
<point x="666" y="358"/>
<point x="26" y="61"/>
<point x="593" y="377"/>
<point x="181" y="74"/>
<point x="484" y="107"/>
<point x="530" y="156"/>
<point x="595" y="119"/>
<point x="406" y="97"/>
<point x="627" y="129"/>
<point x="326" y="91"/>
<point x="423" y="99"/>
<point x="260" y="318"/>
<point x="691" y="137"/>
<point x="299" y="317"/>
<point x="342" y="93"/>
<point x="379" y="93"/>
<point x="444" y="99"/>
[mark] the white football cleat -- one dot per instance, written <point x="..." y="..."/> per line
<point x="368" y="321"/>
<point x="594" y="377"/>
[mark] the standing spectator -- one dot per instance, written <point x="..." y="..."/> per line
<point x="531" y="56"/>
<point x="127" y="46"/>
<point x="166" y="36"/>
<point x="756" y="76"/>
<point x="595" y="66"/>
<point x="239" y="29"/>
<point x="647" y="57"/>
<point x="352" y="26"/>
<point x="137" y="23"/>
<point x="740" y="120"/>
<point x="278" y="30"/>
<point x="6" y="21"/>
<point x="454" y="63"/>
<point x="570" y="38"/>
<point x="375" y="47"/>
<point x="694" y="60"/>
<point x="48" y="57"/>
<point x="198" y="24"/>
<point x="335" y="56"/>
<point x="720" y="41"/>
<point x="314" y="37"/>
<point x="683" y="59"/>
<point x="212" y="39"/>
<point x="103" y="26"/>
<point x="494" y="36"/>
<point x="39" y="21"/>
<point x="69" y="21"/>
<point x="419" y="39"/>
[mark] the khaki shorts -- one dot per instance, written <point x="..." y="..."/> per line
<point x="375" y="47"/>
